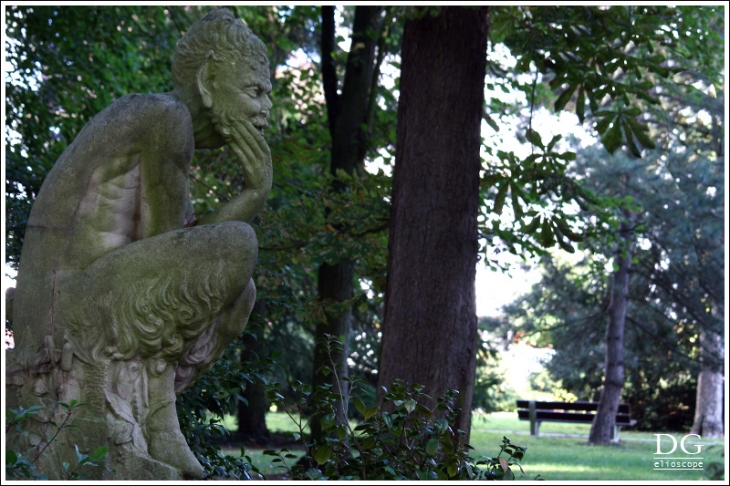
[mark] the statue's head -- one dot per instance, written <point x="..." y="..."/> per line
<point x="225" y="64"/>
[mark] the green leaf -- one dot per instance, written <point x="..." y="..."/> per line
<point x="567" y="156"/>
<point x="564" y="97"/>
<point x="501" y="195"/>
<point x="359" y="405"/>
<point x="567" y="231"/>
<point x="605" y="121"/>
<point x="630" y="142"/>
<point x="370" y="412"/>
<point x="10" y="457"/>
<point x="565" y="245"/>
<point x="535" y="138"/>
<point x="432" y="447"/>
<point x="546" y="235"/>
<point x="552" y="143"/>
<point x="639" y="132"/>
<point x="328" y="421"/>
<point x="322" y="454"/>
<point x="100" y="453"/>
<point x="592" y="103"/>
<point x="612" y="139"/>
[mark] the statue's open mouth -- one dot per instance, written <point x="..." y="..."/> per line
<point x="260" y="123"/>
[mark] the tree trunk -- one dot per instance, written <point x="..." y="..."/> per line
<point x="347" y="113"/>
<point x="708" y="421"/>
<point x="252" y="416"/>
<point x="602" y="429"/>
<point x="430" y="325"/>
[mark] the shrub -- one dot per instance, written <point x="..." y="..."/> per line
<point x="400" y="440"/>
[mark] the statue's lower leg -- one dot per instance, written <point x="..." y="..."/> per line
<point x="165" y="441"/>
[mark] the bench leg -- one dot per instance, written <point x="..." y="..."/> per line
<point x="614" y="436"/>
<point x="534" y="423"/>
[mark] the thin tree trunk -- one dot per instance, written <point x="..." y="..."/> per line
<point x="347" y="113"/>
<point x="430" y="326"/>
<point x="708" y="421"/>
<point x="252" y="415"/>
<point x="603" y="424"/>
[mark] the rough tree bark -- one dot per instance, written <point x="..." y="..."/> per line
<point x="430" y="325"/>
<point x="347" y="113"/>
<point x="614" y="377"/>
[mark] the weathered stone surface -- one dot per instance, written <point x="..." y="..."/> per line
<point x="124" y="298"/>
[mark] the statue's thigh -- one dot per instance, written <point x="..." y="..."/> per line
<point x="159" y="294"/>
<point x="224" y="250"/>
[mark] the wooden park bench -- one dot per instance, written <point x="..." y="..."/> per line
<point x="575" y="412"/>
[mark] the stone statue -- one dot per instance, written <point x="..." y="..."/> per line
<point x="123" y="297"/>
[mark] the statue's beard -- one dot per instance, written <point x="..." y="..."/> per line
<point x="225" y="122"/>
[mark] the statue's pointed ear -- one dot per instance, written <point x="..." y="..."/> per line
<point x="204" y="81"/>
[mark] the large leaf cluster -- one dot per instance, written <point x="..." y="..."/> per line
<point x="614" y="66"/>
<point x="599" y="55"/>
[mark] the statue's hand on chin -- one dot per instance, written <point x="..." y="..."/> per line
<point x="249" y="145"/>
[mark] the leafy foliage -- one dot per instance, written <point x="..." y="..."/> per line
<point x="18" y="466"/>
<point x="399" y="440"/>
<point x="613" y="66"/>
<point x="214" y="395"/>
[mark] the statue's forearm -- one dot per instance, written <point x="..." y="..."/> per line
<point x="255" y="158"/>
<point x="242" y="208"/>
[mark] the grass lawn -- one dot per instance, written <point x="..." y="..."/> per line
<point x="561" y="452"/>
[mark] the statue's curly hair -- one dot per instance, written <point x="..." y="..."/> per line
<point x="227" y="37"/>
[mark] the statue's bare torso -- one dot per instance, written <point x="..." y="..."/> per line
<point x="132" y="167"/>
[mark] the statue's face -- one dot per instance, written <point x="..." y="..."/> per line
<point x="241" y="93"/>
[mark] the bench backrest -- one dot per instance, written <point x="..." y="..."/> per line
<point x="623" y="408"/>
<point x="552" y="416"/>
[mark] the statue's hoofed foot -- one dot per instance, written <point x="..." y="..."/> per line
<point x="170" y="447"/>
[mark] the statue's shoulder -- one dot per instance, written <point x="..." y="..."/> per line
<point x="142" y="117"/>
<point x="146" y="106"/>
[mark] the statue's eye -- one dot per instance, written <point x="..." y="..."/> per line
<point x="252" y="91"/>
